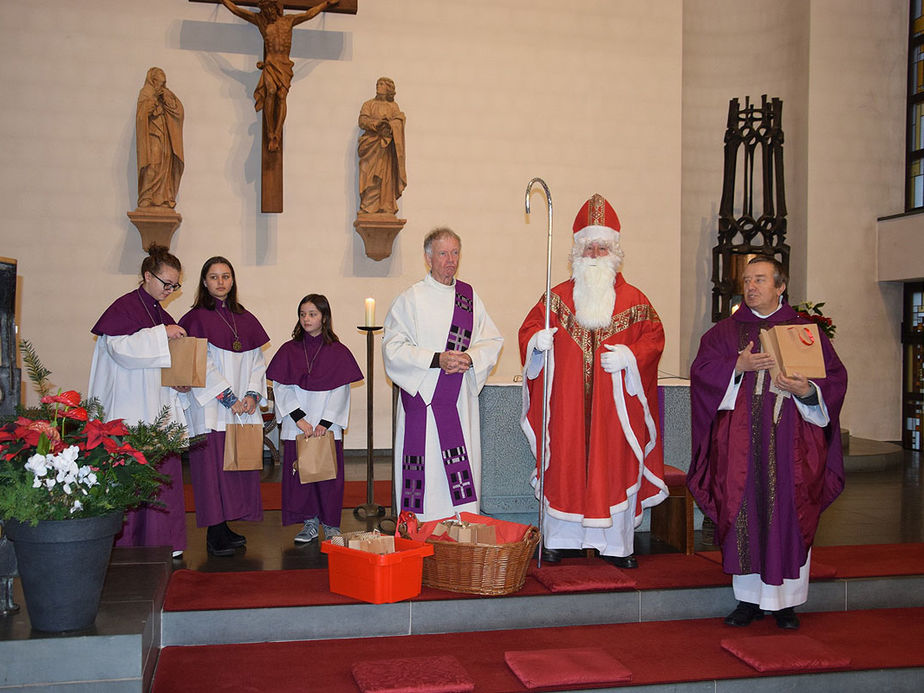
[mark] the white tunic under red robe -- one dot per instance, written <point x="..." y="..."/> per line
<point x="606" y="461"/>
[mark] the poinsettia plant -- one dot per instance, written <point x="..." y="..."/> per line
<point x="812" y="311"/>
<point x="62" y="460"/>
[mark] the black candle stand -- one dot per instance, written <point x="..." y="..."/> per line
<point x="370" y="508"/>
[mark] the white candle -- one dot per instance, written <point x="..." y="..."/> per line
<point x="370" y="312"/>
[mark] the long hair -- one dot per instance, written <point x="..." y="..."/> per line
<point x="204" y="298"/>
<point x="158" y="256"/>
<point x="323" y="305"/>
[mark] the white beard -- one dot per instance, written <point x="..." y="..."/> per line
<point x="594" y="290"/>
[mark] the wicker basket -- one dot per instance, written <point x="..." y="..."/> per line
<point x="478" y="568"/>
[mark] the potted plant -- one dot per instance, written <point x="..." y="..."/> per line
<point x="66" y="478"/>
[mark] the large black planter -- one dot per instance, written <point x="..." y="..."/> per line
<point x="62" y="565"/>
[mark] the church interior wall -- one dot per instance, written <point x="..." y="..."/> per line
<point x="618" y="97"/>
<point x="587" y="97"/>
<point x="839" y="67"/>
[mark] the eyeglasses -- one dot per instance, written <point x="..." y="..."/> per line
<point x="167" y="285"/>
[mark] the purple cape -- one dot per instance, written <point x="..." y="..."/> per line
<point x="129" y="313"/>
<point x="332" y="365"/>
<point x="763" y="484"/>
<point x="216" y="326"/>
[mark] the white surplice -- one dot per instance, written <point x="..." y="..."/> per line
<point x="243" y="372"/>
<point x="329" y="405"/>
<point x="125" y="376"/>
<point x="416" y="328"/>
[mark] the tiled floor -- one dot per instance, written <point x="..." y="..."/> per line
<point x="882" y="503"/>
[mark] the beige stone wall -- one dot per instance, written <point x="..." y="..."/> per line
<point x="613" y="96"/>
<point x="586" y="96"/>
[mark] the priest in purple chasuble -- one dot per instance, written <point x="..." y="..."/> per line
<point x="605" y="461"/>
<point x="439" y="347"/>
<point x="235" y="388"/>
<point x="311" y="377"/>
<point x="131" y="348"/>
<point x="766" y="453"/>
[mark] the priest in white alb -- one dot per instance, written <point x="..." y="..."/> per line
<point x="440" y="344"/>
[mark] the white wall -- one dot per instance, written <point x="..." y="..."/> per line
<point x="586" y="95"/>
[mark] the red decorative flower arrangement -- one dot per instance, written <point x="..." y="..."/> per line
<point x="63" y="461"/>
<point x="812" y="312"/>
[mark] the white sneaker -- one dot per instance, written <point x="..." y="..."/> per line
<point x="330" y="531"/>
<point x="309" y="532"/>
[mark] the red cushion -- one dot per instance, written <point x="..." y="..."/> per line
<point x="439" y="674"/>
<point x="565" y="667"/>
<point x="785" y="653"/>
<point x="582" y="578"/>
<point x="673" y="476"/>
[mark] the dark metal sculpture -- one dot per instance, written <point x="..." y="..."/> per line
<point x="754" y="136"/>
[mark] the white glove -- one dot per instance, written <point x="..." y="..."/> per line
<point x="544" y="338"/>
<point x="616" y="358"/>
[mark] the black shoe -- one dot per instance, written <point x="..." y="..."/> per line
<point x="626" y="562"/>
<point x="551" y="555"/>
<point x="234" y="539"/>
<point x="786" y="618"/>
<point x="743" y="614"/>
<point x="217" y="542"/>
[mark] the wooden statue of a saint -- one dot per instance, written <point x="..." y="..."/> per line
<point x="159" y="142"/>
<point x="382" y="171"/>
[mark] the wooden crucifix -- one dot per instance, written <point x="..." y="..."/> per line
<point x="276" y="76"/>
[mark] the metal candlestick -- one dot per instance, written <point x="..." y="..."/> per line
<point x="371" y="508"/>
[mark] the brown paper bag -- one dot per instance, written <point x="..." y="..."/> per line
<point x="797" y="349"/>
<point x="243" y="447"/>
<point x="187" y="363"/>
<point x="317" y="458"/>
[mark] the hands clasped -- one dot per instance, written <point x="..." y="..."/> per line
<point x="455" y="361"/>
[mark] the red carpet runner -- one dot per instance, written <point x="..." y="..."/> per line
<point x="191" y="590"/>
<point x="876" y="639"/>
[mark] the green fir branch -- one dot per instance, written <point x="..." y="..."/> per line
<point x="36" y="370"/>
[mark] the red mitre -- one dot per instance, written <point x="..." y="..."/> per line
<point x="597" y="220"/>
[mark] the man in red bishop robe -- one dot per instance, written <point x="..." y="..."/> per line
<point x="605" y="461"/>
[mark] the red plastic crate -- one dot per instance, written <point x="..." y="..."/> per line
<point x="377" y="578"/>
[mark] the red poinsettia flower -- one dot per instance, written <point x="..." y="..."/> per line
<point x="114" y="448"/>
<point x="97" y="431"/>
<point x="71" y="398"/>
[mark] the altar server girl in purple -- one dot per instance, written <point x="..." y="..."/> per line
<point x="311" y="377"/>
<point x="131" y="348"/>
<point x="235" y="388"/>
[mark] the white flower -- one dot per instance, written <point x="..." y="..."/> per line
<point x="36" y="482"/>
<point x="38" y="465"/>
<point x="76" y="506"/>
<point x="50" y="482"/>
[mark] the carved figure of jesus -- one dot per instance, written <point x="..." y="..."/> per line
<point x="276" y="68"/>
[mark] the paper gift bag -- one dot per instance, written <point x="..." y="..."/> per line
<point x="243" y="447"/>
<point x="796" y="348"/>
<point x="187" y="363"/>
<point x="317" y="458"/>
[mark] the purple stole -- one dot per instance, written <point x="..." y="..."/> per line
<point x="446" y="414"/>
